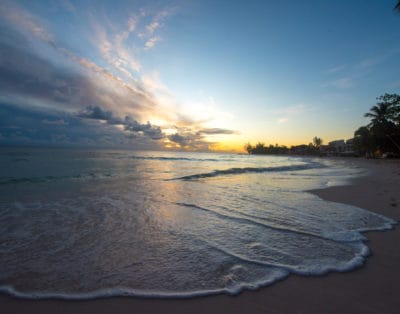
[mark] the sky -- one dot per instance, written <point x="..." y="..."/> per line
<point x="192" y="75"/>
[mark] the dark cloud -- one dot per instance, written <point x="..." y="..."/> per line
<point x="23" y="125"/>
<point x="46" y="90"/>
<point x="29" y="126"/>
<point x="211" y="131"/>
<point x="55" y="77"/>
<point x="97" y="113"/>
<point x="135" y="128"/>
<point x="55" y="122"/>
<point x="25" y="74"/>
<point x="41" y="99"/>
<point x="179" y="139"/>
<point x="190" y="140"/>
<point x="151" y="131"/>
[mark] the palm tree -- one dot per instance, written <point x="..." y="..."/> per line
<point x="317" y="142"/>
<point x="379" y="114"/>
<point x="397" y="7"/>
<point x="363" y="141"/>
<point x="383" y="122"/>
<point x="248" y="147"/>
<point x="386" y="111"/>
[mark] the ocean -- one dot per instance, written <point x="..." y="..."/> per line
<point x="81" y="224"/>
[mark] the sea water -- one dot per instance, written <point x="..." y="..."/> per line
<point x="92" y="223"/>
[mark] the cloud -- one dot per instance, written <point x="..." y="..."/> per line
<point x="140" y="32"/>
<point x="282" y="120"/>
<point x="377" y="59"/>
<point x="182" y="140"/>
<point x="292" y="110"/>
<point x="343" y="83"/>
<point x="30" y="76"/>
<point x="285" y="114"/>
<point x="34" y="81"/>
<point x="148" y="130"/>
<point x="157" y="22"/>
<point x="67" y="5"/>
<point x="152" y="27"/>
<point x="24" y="21"/>
<point x="33" y="126"/>
<point x="336" y="69"/>
<point x="36" y="77"/>
<point x="129" y="124"/>
<point x="214" y="131"/>
<point x="114" y="51"/>
<point x="295" y="109"/>
<point x="190" y="140"/>
<point x="195" y="139"/>
<point x="151" y="42"/>
<point x="96" y="113"/>
<point x="132" y="23"/>
<point x="60" y="96"/>
<point x="55" y="122"/>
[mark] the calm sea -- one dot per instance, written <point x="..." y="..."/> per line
<point x="93" y="223"/>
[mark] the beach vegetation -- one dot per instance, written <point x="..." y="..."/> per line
<point x="317" y="141"/>
<point x="262" y="149"/>
<point x="382" y="135"/>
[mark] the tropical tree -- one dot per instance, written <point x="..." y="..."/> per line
<point x="317" y="141"/>
<point x="364" y="143"/>
<point x="248" y="147"/>
<point x="384" y="127"/>
<point x="379" y="114"/>
<point x="393" y="102"/>
<point x="259" y="148"/>
<point x="397" y="7"/>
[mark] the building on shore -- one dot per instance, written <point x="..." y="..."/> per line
<point x="341" y="148"/>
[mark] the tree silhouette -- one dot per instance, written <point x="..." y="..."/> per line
<point x="317" y="141"/>
<point x="384" y="128"/>
<point x="379" y="114"/>
<point x="397" y="7"/>
<point x="364" y="142"/>
<point x="385" y="113"/>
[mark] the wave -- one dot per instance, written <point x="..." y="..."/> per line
<point x="130" y="292"/>
<point x="316" y="270"/>
<point x="233" y="171"/>
<point x="161" y="158"/>
<point x="47" y="179"/>
<point x="334" y="236"/>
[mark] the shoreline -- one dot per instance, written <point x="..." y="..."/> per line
<point x="369" y="289"/>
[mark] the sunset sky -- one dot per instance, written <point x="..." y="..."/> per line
<point x="190" y="74"/>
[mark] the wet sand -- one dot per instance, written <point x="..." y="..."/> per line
<point x="373" y="288"/>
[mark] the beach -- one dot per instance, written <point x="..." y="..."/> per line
<point x="369" y="289"/>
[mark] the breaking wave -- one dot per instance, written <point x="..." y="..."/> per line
<point x="233" y="171"/>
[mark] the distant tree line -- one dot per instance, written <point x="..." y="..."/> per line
<point x="261" y="149"/>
